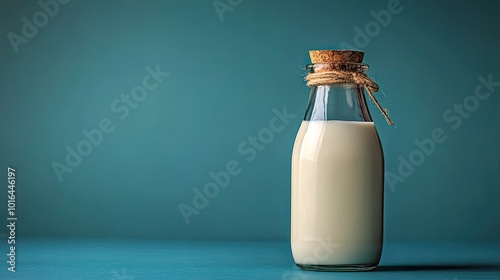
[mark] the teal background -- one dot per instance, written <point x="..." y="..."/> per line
<point x="226" y="77"/>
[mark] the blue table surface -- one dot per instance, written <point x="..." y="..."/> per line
<point x="138" y="259"/>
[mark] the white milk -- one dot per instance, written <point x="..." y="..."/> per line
<point x="337" y="194"/>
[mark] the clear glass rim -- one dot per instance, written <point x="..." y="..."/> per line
<point x="342" y="66"/>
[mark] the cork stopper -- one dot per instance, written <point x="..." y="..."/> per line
<point x="332" y="56"/>
<point x="326" y="60"/>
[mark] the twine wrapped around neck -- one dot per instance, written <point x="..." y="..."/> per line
<point x="339" y="77"/>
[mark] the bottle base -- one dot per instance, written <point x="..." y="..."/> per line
<point x="321" y="267"/>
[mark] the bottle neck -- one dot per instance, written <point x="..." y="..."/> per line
<point x="344" y="102"/>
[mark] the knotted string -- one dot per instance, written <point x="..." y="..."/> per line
<point x="340" y="77"/>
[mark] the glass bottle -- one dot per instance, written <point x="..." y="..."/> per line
<point x="337" y="176"/>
